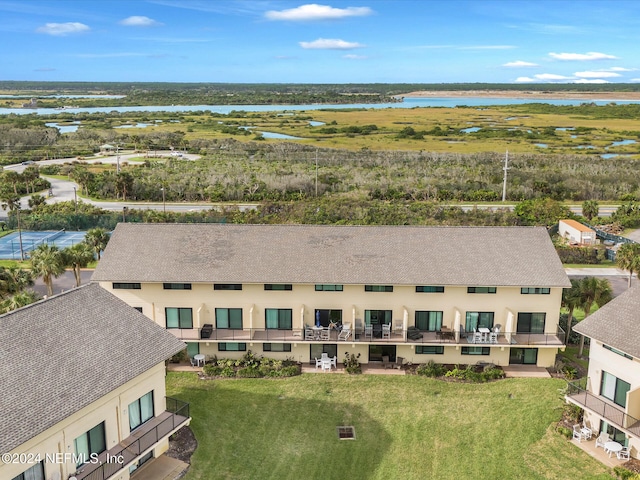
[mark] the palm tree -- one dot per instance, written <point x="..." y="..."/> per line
<point x="78" y="256"/>
<point x="14" y="279"/>
<point x="18" y="300"/>
<point x="571" y="300"/>
<point x="628" y="258"/>
<point x="590" y="209"/>
<point x="97" y="239"/>
<point x="47" y="262"/>
<point x="593" y="290"/>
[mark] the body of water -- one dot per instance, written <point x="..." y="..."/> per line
<point x="64" y="128"/>
<point x="409" y="102"/>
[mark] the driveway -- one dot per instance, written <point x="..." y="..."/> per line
<point x="64" y="282"/>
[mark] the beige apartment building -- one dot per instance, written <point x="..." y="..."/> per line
<point x="82" y="382"/>
<point x="449" y="294"/>
<point x="611" y="397"/>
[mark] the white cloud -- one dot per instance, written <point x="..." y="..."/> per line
<point x="313" y="11"/>
<point x="618" y="69"/>
<point x="597" y="74"/>
<point x="591" y="80"/>
<point x="331" y="44"/>
<point x="110" y="55"/>
<point x="63" y="29"/>
<point x="139" y="21"/>
<point x="351" y="56"/>
<point x="519" y="63"/>
<point x="525" y="80"/>
<point x="582" y="56"/>
<point x="634" y="80"/>
<point x="551" y="76"/>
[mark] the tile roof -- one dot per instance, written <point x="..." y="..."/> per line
<point x="617" y="323"/>
<point x="398" y="255"/>
<point x="61" y="354"/>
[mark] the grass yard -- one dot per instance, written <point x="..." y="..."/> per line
<point x="406" y="428"/>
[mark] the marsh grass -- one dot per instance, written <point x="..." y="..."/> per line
<point x="406" y="428"/>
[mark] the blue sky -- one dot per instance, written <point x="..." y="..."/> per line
<point x="367" y="41"/>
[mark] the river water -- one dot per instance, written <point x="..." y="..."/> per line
<point x="409" y="102"/>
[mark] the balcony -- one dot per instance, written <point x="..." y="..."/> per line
<point x="602" y="407"/>
<point x="396" y="337"/>
<point x="141" y="439"/>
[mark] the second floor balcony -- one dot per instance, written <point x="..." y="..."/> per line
<point x="410" y="335"/>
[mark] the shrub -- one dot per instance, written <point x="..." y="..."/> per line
<point x="492" y="373"/>
<point x="564" y="431"/>
<point x="431" y="369"/>
<point x="249" y="372"/>
<point x="351" y="363"/>
<point x="212" y="370"/>
<point x="625" y="474"/>
<point x="228" y="371"/>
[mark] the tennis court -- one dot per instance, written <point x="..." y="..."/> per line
<point x="10" y="244"/>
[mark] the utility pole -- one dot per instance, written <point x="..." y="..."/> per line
<point x="164" y="205"/>
<point x="504" y="181"/>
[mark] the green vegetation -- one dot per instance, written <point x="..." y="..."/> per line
<point x="407" y="427"/>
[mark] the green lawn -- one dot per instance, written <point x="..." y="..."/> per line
<point x="407" y="427"/>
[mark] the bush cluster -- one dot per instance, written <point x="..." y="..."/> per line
<point x="469" y="373"/>
<point x="251" y="366"/>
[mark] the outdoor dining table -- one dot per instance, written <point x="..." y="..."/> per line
<point x="612" y="447"/>
<point x="316" y="331"/>
<point x="485" y="333"/>
<point x="199" y="358"/>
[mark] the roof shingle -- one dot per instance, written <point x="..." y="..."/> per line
<point x="61" y="354"/>
<point x="398" y="255"/>
<point x="617" y="323"/>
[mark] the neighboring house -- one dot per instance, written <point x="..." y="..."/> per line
<point x="575" y="232"/>
<point x="414" y="292"/>
<point x="82" y="379"/>
<point x="611" y="396"/>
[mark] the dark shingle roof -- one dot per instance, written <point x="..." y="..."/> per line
<point x="617" y="323"/>
<point x="500" y="256"/>
<point x="61" y="354"/>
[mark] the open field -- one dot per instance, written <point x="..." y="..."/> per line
<point x="407" y="427"/>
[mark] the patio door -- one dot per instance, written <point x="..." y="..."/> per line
<point x="531" y="322"/>
<point x="614" y="434"/>
<point x="377" y="317"/>
<point x="317" y="349"/>
<point x="376" y="352"/>
<point x="523" y="356"/>
<point x="327" y="316"/>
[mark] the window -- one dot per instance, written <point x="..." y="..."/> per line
<point x="227" y="286"/>
<point x="477" y="320"/>
<point x="328" y="288"/>
<point x="523" y="356"/>
<point x="378" y="288"/>
<point x="176" y="286"/>
<point x="278" y="318"/>
<point x="141" y="411"/>
<point x="531" y="322"/>
<point x="230" y="318"/>
<point x="125" y="286"/>
<point x="614" y="389"/>
<point x="535" y="291"/>
<point x="90" y="442"/>
<point x="138" y="308"/>
<point x="615" y="350"/>
<point x="232" y="347"/>
<point x="428" y="321"/>
<point x="427" y="350"/>
<point x="36" y="472"/>
<point x="276" y="347"/>
<point x="377" y="317"/>
<point x="278" y="286"/>
<point x="475" y="351"/>
<point x="429" y="289"/>
<point x="481" y="289"/>
<point x="179" y="317"/>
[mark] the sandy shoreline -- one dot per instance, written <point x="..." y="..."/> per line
<point x="524" y="94"/>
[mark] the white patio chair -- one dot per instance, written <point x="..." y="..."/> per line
<point x="493" y="337"/>
<point x="345" y="333"/>
<point x="318" y="362"/>
<point x="602" y="439"/>
<point x="477" y="337"/>
<point x="386" y="331"/>
<point x="334" y="362"/>
<point x="623" y="454"/>
<point x="308" y="334"/>
<point x="324" y="355"/>
<point x="577" y="433"/>
<point x="368" y="331"/>
<point x="397" y="327"/>
<point x="325" y="334"/>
